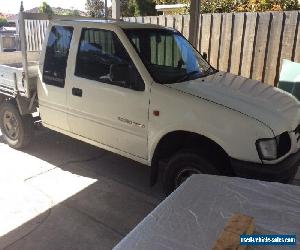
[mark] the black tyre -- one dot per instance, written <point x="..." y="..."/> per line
<point x="16" y="129"/>
<point x="183" y="165"/>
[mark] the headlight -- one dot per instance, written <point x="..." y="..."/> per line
<point x="267" y="148"/>
<point x="274" y="148"/>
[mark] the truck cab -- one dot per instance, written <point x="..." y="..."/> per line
<point x="142" y="91"/>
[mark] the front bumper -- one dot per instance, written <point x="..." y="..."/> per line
<point x="283" y="171"/>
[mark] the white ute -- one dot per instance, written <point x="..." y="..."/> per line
<point x="142" y="91"/>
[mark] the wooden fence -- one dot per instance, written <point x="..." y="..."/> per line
<point x="248" y="44"/>
<point x="8" y="43"/>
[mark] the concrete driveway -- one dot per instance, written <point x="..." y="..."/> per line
<point x="60" y="193"/>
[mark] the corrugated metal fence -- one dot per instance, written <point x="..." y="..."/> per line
<point x="248" y="44"/>
<point x="35" y="31"/>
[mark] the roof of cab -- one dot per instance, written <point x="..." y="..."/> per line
<point x="119" y="23"/>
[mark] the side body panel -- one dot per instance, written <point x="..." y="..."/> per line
<point x="235" y="132"/>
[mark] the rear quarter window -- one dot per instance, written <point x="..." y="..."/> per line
<point x="56" y="57"/>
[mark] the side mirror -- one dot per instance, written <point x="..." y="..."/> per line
<point x="204" y="55"/>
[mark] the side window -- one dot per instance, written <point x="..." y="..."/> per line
<point x="56" y="56"/>
<point x="102" y="57"/>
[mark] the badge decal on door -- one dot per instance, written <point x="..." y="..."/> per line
<point x="125" y="120"/>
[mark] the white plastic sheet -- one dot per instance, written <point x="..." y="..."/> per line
<point x="194" y="215"/>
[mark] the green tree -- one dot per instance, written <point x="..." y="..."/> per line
<point x="95" y="8"/>
<point x="172" y="1"/>
<point x="71" y="12"/>
<point x="266" y="5"/>
<point x="124" y="8"/>
<point x="219" y="6"/>
<point x="141" y="8"/>
<point x="75" y="13"/>
<point x="46" y="9"/>
<point x="3" y="21"/>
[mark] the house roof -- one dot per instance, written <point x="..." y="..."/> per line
<point x="12" y="18"/>
<point x="162" y="7"/>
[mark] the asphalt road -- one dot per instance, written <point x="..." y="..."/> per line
<point x="61" y="193"/>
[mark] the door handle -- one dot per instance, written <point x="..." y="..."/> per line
<point x="77" y="92"/>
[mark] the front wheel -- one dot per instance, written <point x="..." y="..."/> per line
<point x="183" y="165"/>
<point x="16" y="129"/>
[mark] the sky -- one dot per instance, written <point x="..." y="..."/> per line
<point x="13" y="6"/>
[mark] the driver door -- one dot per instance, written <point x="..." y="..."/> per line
<point x="113" y="113"/>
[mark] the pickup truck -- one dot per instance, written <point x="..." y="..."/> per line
<point x="143" y="91"/>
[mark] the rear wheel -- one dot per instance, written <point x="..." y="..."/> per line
<point x="183" y="165"/>
<point x="16" y="129"/>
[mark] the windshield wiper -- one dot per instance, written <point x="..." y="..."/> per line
<point x="209" y="71"/>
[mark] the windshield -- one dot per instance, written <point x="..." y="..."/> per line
<point x="168" y="56"/>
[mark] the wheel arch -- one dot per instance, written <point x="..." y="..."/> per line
<point x="23" y="104"/>
<point x="5" y="99"/>
<point x="174" y="141"/>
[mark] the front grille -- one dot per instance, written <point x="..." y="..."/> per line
<point x="284" y="144"/>
<point x="297" y="132"/>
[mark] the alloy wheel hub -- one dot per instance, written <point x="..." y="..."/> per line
<point x="11" y="125"/>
